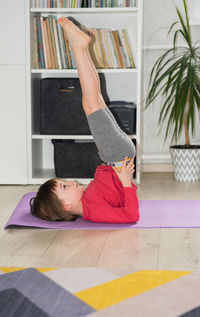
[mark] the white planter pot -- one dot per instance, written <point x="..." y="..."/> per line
<point x="186" y="162"/>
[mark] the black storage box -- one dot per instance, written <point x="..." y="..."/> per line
<point x="75" y="158"/>
<point x="125" y="115"/>
<point x="61" y="109"/>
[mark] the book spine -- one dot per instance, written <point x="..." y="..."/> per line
<point x="64" y="48"/>
<point x="113" y="50"/>
<point x="44" y="42"/>
<point x="47" y="43"/>
<point x="36" y="61"/>
<point x="57" y="43"/>
<point x="99" y="53"/>
<point x="128" y="47"/>
<point x="105" y="47"/>
<point x="42" y="61"/>
<point x="53" y="41"/>
<point x="125" y="49"/>
<point x="122" y="50"/>
<point x="115" y="37"/>
<point x="68" y="53"/>
<point x="74" y="66"/>
<point x="50" y="44"/>
<point x="61" y="46"/>
<point x="105" y="33"/>
<point x="50" y="37"/>
<point x="102" y="49"/>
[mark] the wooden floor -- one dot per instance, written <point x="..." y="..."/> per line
<point x="120" y="251"/>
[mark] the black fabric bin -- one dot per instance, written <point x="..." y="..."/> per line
<point x="75" y="159"/>
<point x="61" y="109"/>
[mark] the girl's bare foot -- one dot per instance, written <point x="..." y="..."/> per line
<point x="75" y="36"/>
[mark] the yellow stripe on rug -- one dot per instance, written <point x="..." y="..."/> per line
<point x="14" y="269"/>
<point x="115" y="291"/>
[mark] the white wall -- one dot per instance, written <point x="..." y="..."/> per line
<point x="13" y="141"/>
<point x="158" y="16"/>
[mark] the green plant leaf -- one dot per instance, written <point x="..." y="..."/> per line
<point x="153" y="92"/>
<point x="184" y="32"/>
<point x="182" y="102"/>
<point x="171" y="27"/>
<point x="187" y="19"/>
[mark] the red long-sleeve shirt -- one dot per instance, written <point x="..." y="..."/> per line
<point x="106" y="200"/>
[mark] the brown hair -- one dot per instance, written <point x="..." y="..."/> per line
<point x="46" y="204"/>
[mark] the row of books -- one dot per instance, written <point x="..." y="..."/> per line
<point x="57" y="3"/>
<point x="83" y="3"/>
<point x="108" y="48"/>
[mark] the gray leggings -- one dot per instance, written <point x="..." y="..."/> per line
<point x="112" y="143"/>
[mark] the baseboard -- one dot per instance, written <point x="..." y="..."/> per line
<point x="156" y="163"/>
<point x="153" y="168"/>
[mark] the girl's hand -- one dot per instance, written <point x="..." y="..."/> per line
<point x="126" y="172"/>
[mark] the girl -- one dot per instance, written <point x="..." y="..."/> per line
<point x="111" y="196"/>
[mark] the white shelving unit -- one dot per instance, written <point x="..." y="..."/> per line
<point x="121" y="84"/>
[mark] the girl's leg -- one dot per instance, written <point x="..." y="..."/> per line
<point x="92" y="99"/>
<point x="113" y="144"/>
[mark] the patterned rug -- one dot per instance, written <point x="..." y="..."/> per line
<point x="70" y="292"/>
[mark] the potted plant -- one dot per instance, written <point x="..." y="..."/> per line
<point x="176" y="76"/>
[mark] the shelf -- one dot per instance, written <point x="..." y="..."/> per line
<point x="127" y="84"/>
<point x="85" y="10"/>
<point x="69" y="137"/>
<point x="74" y="71"/>
<point x="42" y="175"/>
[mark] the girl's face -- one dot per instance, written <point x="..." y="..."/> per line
<point x="69" y="192"/>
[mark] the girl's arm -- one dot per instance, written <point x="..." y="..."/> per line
<point x="106" y="213"/>
<point x="125" y="175"/>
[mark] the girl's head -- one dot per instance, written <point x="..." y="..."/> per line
<point x="57" y="199"/>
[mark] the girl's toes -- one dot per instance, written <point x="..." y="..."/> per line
<point x="62" y="21"/>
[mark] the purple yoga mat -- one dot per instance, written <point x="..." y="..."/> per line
<point x="153" y="214"/>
